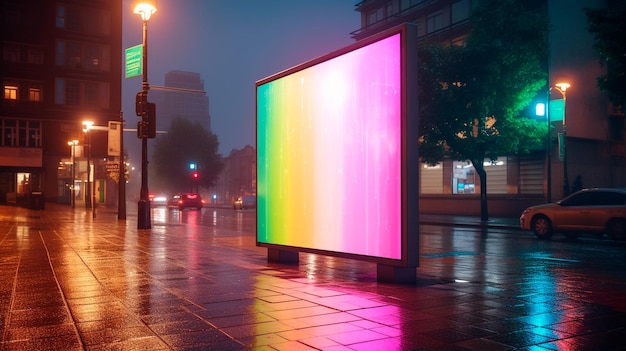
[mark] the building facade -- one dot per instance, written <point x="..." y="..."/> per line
<point x="183" y="96"/>
<point x="61" y="65"/>
<point x="238" y="177"/>
<point x="594" y="132"/>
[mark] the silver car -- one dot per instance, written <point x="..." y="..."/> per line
<point x="594" y="210"/>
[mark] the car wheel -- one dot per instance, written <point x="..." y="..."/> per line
<point x="542" y="227"/>
<point x="616" y="228"/>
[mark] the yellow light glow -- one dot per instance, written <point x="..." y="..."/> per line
<point x="562" y="86"/>
<point x="145" y="9"/>
<point x="87" y="125"/>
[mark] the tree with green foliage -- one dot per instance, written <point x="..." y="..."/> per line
<point x="608" y="26"/>
<point x="472" y="96"/>
<point x="184" y="143"/>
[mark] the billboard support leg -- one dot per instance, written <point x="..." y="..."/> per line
<point x="282" y="256"/>
<point x="395" y="274"/>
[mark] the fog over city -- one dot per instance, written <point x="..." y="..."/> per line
<point x="232" y="44"/>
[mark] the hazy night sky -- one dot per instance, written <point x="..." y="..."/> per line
<point x="232" y="44"/>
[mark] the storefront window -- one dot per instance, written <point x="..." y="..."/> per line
<point x="23" y="183"/>
<point x="463" y="177"/>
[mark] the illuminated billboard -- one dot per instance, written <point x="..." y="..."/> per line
<point x="333" y="139"/>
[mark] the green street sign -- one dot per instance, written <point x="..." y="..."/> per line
<point x="134" y="62"/>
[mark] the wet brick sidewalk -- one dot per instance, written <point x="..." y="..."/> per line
<point x="70" y="282"/>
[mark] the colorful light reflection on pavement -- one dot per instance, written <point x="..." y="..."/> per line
<point x="197" y="280"/>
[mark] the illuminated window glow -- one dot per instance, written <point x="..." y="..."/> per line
<point x="10" y="92"/>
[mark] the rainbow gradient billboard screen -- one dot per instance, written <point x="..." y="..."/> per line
<point x="331" y="153"/>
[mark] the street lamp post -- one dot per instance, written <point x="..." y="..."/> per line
<point x="72" y="145"/>
<point x="562" y="88"/>
<point x="90" y="193"/>
<point x="143" y="207"/>
<point x="121" y="185"/>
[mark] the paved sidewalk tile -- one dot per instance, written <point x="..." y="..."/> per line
<point x="71" y="282"/>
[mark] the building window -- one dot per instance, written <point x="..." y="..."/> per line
<point x="99" y="22"/>
<point x="9" y="132"/>
<point x="91" y="93"/>
<point x="466" y="181"/>
<point x="26" y="133"/>
<point x="10" y="92"/>
<point x="22" y="127"/>
<point x="89" y="21"/>
<point x="463" y="177"/>
<point x="34" y="94"/>
<point x="60" y="19"/>
<point x="72" y="19"/>
<point x="434" y="22"/>
<point x="74" y="55"/>
<point x="60" y="53"/>
<point x="34" y="133"/>
<point x="406" y="4"/>
<point x="35" y="56"/>
<point x="374" y="16"/>
<point x="460" y="11"/>
<point x="24" y="183"/>
<point x="72" y="93"/>
<point x="82" y="93"/>
<point x="82" y="55"/>
<point x="59" y="97"/>
<point x="11" y="54"/>
<point x="388" y="9"/>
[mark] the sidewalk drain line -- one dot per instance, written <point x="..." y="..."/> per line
<point x="56" y="280"/>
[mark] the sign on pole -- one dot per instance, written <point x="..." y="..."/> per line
<point x="134" y="62"/>
<point x="115" y="134"/>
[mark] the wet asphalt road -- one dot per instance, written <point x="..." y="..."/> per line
<point x="196" y="281"/>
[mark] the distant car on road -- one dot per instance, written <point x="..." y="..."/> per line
<point x="186" y="200"/>
<point x="593" y="210"/>
<point x="158" y="200"/>
<point x="244" y="202"/>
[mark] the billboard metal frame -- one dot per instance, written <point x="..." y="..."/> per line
<point x="389" y="269"/>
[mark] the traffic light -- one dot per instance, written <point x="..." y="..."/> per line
<point x="141" y="101"/>
<point x="195" y="175"/>
<point x="146" y="128"/>
<point x="150" y="119"/>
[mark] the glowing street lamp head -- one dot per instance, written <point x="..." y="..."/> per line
<point x="87" y="125"/>
<point x="562" y="86"/>
<point x="145" y="9"/>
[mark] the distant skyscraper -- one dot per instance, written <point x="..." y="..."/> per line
<point x="183" y="97"/>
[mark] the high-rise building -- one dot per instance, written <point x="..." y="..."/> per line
<point x="61" y="65"/>
<point x="182" y="96"/>
<point x="595" y="134"/>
